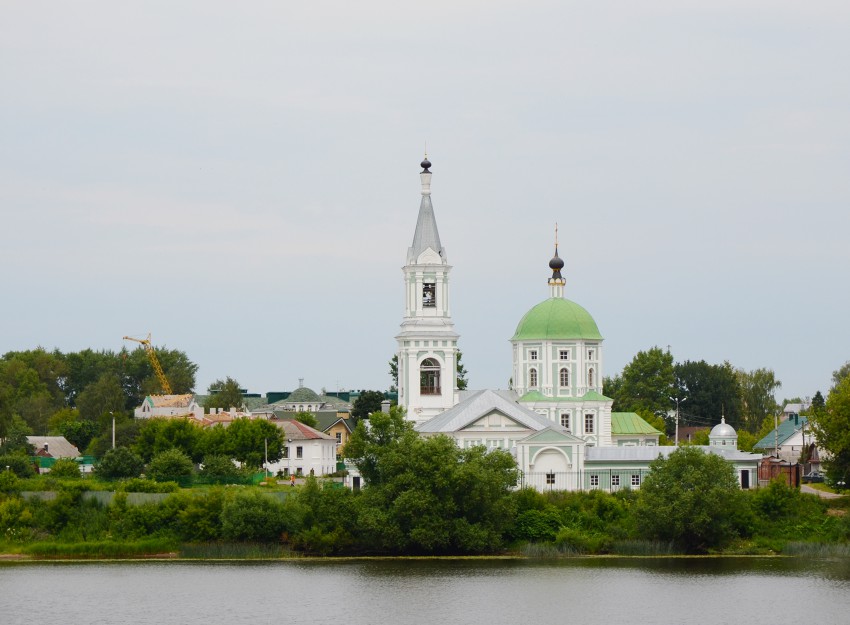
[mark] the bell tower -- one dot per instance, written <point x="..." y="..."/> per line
<point x="427" y="343"/>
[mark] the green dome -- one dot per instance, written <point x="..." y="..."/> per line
<point x="302" y="394"/>
<point x="556" y="318"/>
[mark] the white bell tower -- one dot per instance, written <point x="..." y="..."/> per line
<point x="427" y="343"/>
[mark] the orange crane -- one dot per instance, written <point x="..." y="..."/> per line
<point x="160" y="374"/>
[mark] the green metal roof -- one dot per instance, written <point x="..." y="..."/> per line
<point x="624" y="423"/>
<point x="531" y="396"/>
<point x="782" y="433"/>
<point x="557" y="318"/>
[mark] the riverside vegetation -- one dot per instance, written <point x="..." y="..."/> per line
<point x="424" y="497"/>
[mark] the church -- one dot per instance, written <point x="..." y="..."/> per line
<point x="555" y="420"/>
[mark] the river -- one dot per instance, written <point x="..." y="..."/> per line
<point x="675" y="591"/>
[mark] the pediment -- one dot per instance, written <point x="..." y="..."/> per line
<point x="552" y="436"/>
<point x="494" y="420"/>
<point x="429" y="257"/>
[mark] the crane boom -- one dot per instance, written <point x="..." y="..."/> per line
<point x="157" y="368"/>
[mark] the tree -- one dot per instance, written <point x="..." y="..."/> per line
<point x="101" y="398"/>
<point x="248" y="439"/>
<point x="77" y="431"/>
<point x="712" y="391"/>
<point x="648" y="382"/>
<point x="689" y="498"/>
<point x="219" y="466"/>
<point x="169" y="464"/>
<point x="831" y="426"/>
<point x="840" y="374"/>
<point x="461" y="372"/>
<point x="758" y="398"/>
<point x="158" y="435"/>
<point x="15" y="441"/>
<point x="427" y="495"/>
<point x="394" y="373"/>
<point x="224" y="394"/>
<point x="119" y="463"/>
<point x="65" y="468"/>
<point x="307" y="418"/>
<point x="367" y="403"/>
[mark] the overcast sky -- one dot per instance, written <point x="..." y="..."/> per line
<point x="241" y="179"/>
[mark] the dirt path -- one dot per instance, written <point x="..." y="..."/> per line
<point x="805" y="488"/>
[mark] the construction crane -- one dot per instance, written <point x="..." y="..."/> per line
<point x="160" y="374"/>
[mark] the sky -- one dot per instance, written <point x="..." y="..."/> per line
<point x="241" y="179"/>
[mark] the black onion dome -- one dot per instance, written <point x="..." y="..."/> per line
<point x="556" y="264"/>
<point x="426" y="164"/>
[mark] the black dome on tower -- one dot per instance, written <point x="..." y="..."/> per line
<point x="556" y="264"/>
<point x="425" y="165"/>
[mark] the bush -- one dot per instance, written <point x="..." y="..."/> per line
<point x="255" y="516"/>
<point x="169" y="464"/>
<point x="18" y="464"/>
<point x="219" y="466"/>
<point x="141" y="485"/>
<point x="118" y="463"/>
<point x="65" y="468"/>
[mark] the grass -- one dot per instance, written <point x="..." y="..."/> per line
<point x="235" y="551"/>
<point x="817" y="550"/>
<point x="101" y="549"/>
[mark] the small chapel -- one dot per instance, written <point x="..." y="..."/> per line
<point x="554" y="420"/>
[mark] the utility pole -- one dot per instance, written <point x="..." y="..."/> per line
<point x="677" y="400"/>
<point x="113" y="429"/>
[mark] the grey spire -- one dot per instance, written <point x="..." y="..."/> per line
<point x="426" y="234"/>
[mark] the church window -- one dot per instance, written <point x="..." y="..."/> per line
<point x="565" y="377"/>
<point x="532" y="378"/>
<point x="588" y="424"/>
<point x="565" y="420"/>
<point x="564" y="354"/>
<point x="590" y="354"/>
<point x="615" y="480"/>
<point x="550" y="478"/>
<point x="429" y="377"/>
<point x="429" y="295"/>
<point x="590" y="377"/>
<point x="635" y="479"/>
<point x="594" y="480"/>
<point x="532" y="354"/>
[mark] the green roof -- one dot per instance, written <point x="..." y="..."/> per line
<point x="302" y="394"/>
<point x="624" y="423"/>
<point x="781" y="434"/>
<point x="531" y="396"/>
<point x="557" y="318"/>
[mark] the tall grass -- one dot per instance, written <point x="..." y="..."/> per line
<point x="101" y="549"/>
<point x="817" y="550"/>
<point x="235" y="551"/>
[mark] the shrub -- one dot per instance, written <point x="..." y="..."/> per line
<point x="169" y="464"/>
<point x="141" y="485"/>
<point x="219" y="466"/>
<point x="255" y="516"/>
<point x="18" y="464"/>
<point x="65" y="468"/>
<point x="119" y="462"/>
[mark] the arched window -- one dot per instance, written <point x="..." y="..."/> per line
<point x="532" y="378"/>
<point x="590" y="377"/>
<point x="565" y="377"/>
<point x="429" y="377"/>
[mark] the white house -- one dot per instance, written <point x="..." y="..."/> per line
<point x="307" y="451"/>
<point x="169" y="406"/>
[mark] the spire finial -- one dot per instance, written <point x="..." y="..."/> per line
<point x="556" y="282"/>
<point x="426" y="163"/>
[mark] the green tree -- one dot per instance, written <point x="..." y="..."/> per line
<point x="758" y="399"/>
<point x="99" y="399"/>
<point x="461" y="372"/>
<point x="169" y="464"/>
<point x="158" y="435"/>
<point x="119" y="463"/>
<point x="426" y="495"/>
<point x="394" y="373"/>
<point x="219" y="466"/>
<point x="255" y="516"/>
<point x="840" y="374"/>
<point x="689" y="498"/>
<point x="832" y="431"/>
<point x="67" y="422"/>
<point x="648" y="382"/>
<point x="15" y="440"/>
<point x="65" y="468"/>
<point x="19" y="464"/>
<point x="367" y="403"/>
<point x="247" y="440"/>
<point x="225" y="394"/>
<point x="712" y="391"/>
<point x="307" y="418"/>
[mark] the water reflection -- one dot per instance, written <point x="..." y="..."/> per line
<point x="685" y="591"/>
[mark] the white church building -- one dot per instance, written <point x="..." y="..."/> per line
<point x="555" y="421"/>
